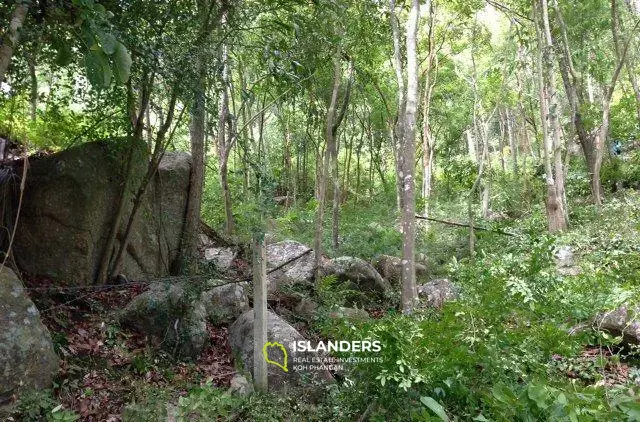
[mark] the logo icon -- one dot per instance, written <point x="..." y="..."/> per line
<point x="278" y="347"/>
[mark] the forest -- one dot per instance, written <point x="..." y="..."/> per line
<point x="320" y="210"/>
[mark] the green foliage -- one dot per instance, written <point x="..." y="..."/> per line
<point x="207" y="404"/>
<point x="457" y="176"/>
<point x="39" y="406"/>
<point x="105" y="55"/>
<point x="516" y="195"/>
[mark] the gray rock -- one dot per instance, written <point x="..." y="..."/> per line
<point x="68" y="210"/>
<point x="225" y="303"/>
<point x="623" y="321"/>
<point x="390" y="268"/>
<point x="27" y="358"/>
<point x="565" y="261"/>
<point x="437" y="292"/>
<point x="306" y="308"/>
<point x="299" y="271"/>
<point x="359" y="273"/>
<point x="241" y="385"/>
<point x="349" y="313"/>
<point x="222" y="258"/>
<point x="278" y="330"/>
<point x="496" y="216"/>
<point x="172" y="318"/>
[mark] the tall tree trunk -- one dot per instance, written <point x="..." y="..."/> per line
<point x="152" y="168"/>
<point x="503" y="137"/>
<point x="486" y="182"/>
<point x="513" y="145"/>
<point x="189" y="246"/>
<point x="428" y="142"/>
<point x="224" y="143"/>
<point x="472" y="147"/>
<point x="397" y="132"/>
<point x="358" y="168"/>
<point x="137" y="123"/>
<point x="335" y="209"/>
<point x="472" y="195"/>
<point x="347" y="167"/>
<point x="12" y="35"/>
<point x="259" y="312"/>
<point x="288" y="168"/>
<point x="33" y="82"/>
<point x="556" y="215"/>
<point x="325" y="165"/>
<point x="407" y="150"/>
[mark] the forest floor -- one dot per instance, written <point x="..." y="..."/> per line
<point x="109" y="373"/>
<point x="105" y="367"/>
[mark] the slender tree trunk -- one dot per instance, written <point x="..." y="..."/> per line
<point x="472" y="195"/>
<point x="503" y="137"/>
<point x="428" y="143"/>
<point x="12" y="35"/>
<point x="397" y="132"/>
<point x="33" y="93"/>
<point x="288" y="167"/>
<point x="556" y="215"/>
<point x="324" y="168"/>
<point x="471" y="145"/>
<point x="335" y="214"/>
<point x="347" y="169"/>
<point x="358" y="168"/>
<point x="629" y="63"/>
<point x="224" y="143"/>
<point x="259" y="312"/>
<point x="152" y="168"/>
<point x="513" y="145"/>
<point x="189" y="247"/>
<point x="486" y="183"/>
<point x="137" y="121"/>
<point x="407" y="150"/>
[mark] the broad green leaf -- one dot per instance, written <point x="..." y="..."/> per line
<point x="108" y="42"/>
<point x="502" y="393"/>
<point x="538" y="393"/>
<point x="98" y="68"/>
<point x="122" y="62"/>
<point x="435" y="407"/>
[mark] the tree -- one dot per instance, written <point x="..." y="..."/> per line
<point x="549" y="108"/>
<point x="189" y="244"/>
<point x="592" y="139"/>
<point x="428" y="141"/>
<point x="408" y="106"/>
<point x="12" y="36"/>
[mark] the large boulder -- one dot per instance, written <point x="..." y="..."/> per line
<point x="172" y="316"/>
<point x="278" y="330"/>
<point x="390" y="268"/>
<point x="299" y="271"/>
<point x="69" y="205"/>
<point x="27" y="358"/>
<point x="437" y="292"/>
<point x="224" y="302"/>
<point x="221" y="257"/>
<point x="623" y="321"/>
<point x="359" y="273"/>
